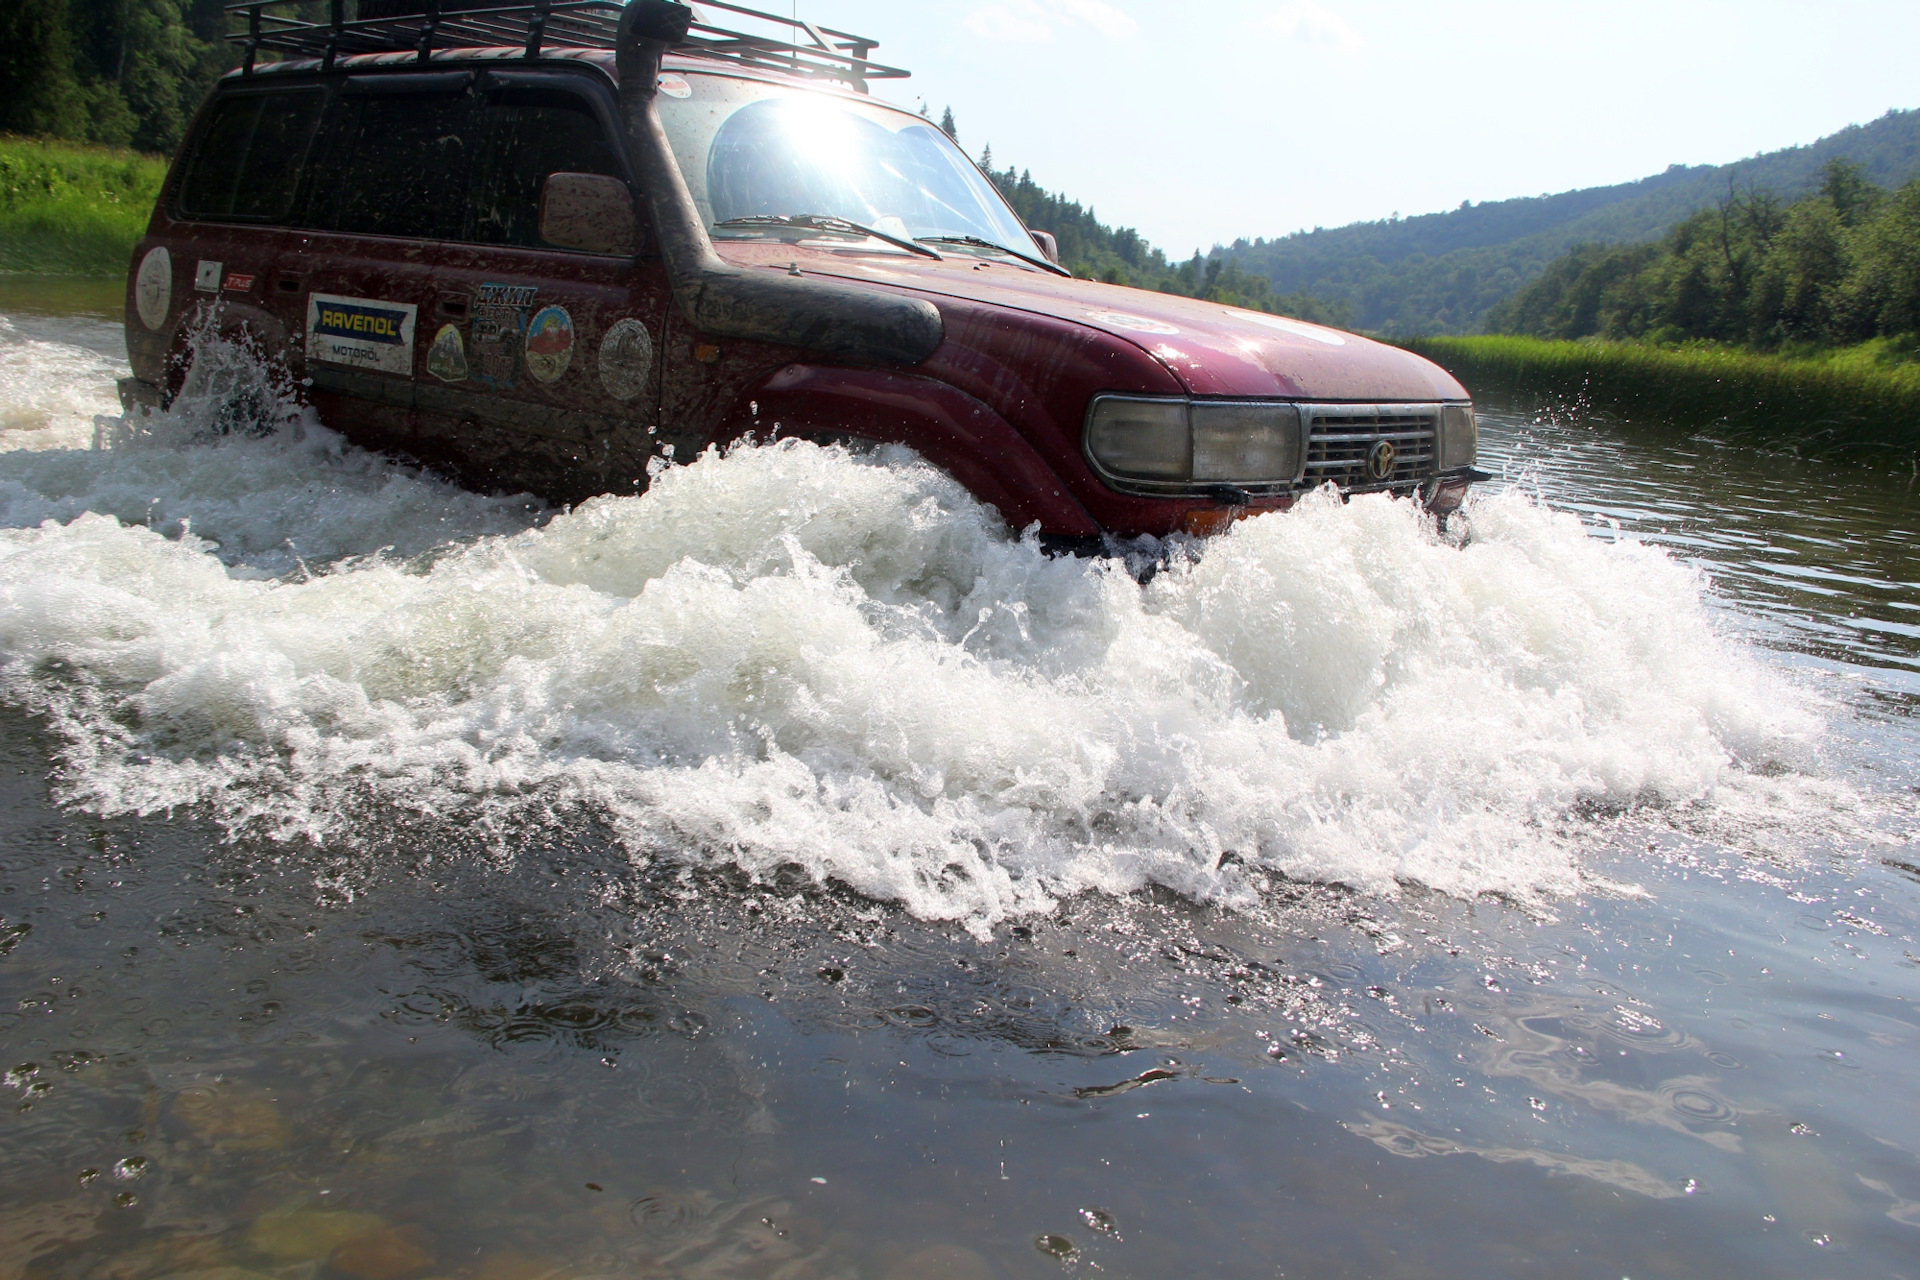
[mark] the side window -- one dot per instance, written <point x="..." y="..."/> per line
<point x="247" y="159"/>
<point x="398" y="166"/>
<point x="527" y="134"/>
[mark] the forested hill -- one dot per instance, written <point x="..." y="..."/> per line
<point x="1442" y="272"/>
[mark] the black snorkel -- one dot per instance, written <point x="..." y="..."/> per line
<point x="718" y="298"/>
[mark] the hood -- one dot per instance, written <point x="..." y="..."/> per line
<point x="1215" y="350"/>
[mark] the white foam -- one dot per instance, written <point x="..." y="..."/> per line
<point x="50" y="390"/>
<point x="301" y="496"/>
<point x="795" y="655"/>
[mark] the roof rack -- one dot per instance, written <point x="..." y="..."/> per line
<point x="423" y="27"/>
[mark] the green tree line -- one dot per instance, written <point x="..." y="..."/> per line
<point x="1838" y="266"/>
<point x="1120" y="255"/>
<point x="1443" y="272"/>
<point x="121" y="72"/>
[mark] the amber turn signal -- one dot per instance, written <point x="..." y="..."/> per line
<point x="1204" y="522"/>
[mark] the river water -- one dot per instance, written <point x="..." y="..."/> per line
<point x="792" y="873"/>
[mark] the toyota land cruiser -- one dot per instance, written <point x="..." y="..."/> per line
<point x="538" y="245"/>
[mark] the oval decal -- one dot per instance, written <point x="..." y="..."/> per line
<point x="626" y="359"/>
<point x="153" y="287"/>
<point x="549" y="343"/>
<point x="1127" y="322"/>
<point x="447" y="357"/>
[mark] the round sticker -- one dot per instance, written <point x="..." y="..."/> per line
<point x="1130" y="323"/>
<point x="447" y="357"/>
<point x="153" y="287"/>
<point x="1295" y="327"/>
<point x="626" y="358"/>
<point x="675" y="86"/>
<point x="549" y="343"/>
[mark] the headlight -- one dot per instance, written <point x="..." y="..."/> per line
<point x="1245" y="443"/>
<point x="1165" y="444"/>
<point x="1141" y="439"/>
<point x="1459" y="437"/>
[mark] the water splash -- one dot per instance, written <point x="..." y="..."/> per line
<point x="791" y="656"/>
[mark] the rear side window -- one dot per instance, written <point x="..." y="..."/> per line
<point x="525" y="135"/>
<point x="247" y="159"/>
<point x="398" y="167"/>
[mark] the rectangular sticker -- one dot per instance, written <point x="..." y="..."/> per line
<point x="237" y="283"/>
<point x="361" y="333"/>
<point x="206" y="276"/>
<point x="499" y="333"/>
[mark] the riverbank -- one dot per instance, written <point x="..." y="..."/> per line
<point x="67" y="208"/>
<point x="1853" y="401"/>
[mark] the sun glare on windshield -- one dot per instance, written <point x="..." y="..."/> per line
<point x="774" y="152"/>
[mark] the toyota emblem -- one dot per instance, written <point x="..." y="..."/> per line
<point x="1380" y="459"/>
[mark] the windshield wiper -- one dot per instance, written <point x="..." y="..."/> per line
<point x="827" y="222"/>
<point x="977" y="242"/>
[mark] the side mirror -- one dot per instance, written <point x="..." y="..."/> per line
<point x="589" y="211"/>
<point x="1048" y="245"/>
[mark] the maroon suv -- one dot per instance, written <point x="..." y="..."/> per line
<point x="540" y="245"/>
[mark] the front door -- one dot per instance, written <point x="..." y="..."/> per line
<point x="540" y="372"/>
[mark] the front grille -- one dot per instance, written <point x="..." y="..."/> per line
<point x="1341" y="439"/>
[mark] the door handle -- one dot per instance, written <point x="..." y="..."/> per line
<point x="289" y="284"/>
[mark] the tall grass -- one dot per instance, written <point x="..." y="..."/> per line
<point x="1861" y="400"/>
<point x="67" y="208"/>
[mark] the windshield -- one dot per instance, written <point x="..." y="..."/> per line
<point x="750" y="150"/>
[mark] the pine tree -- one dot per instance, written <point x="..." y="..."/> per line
<point x="947" y="126"/>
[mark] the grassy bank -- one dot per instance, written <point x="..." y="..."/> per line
<point x="1860" y="400"/>
<point x="67" y="208"/>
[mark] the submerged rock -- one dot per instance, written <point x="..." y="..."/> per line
<point x="303" y="1235"/>
<point x="28" y="1231"/>
<point x="232" y="1116"/>
<point x="384" y="1255"/>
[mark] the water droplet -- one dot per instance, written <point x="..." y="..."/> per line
<point x="126" y="1199"/>
<point x="1800" y="1130"/>
<point x="1057" y="1247"/>
<point x="130" y="1168"/>
<point x="1100" y="1220"/>
<point x="88" y="1175"/>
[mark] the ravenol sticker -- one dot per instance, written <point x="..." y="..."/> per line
<point x="549" y="343"/>
<point x="362" y="333"/>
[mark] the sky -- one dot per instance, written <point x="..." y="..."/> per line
<point x="1202" y="123"/>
